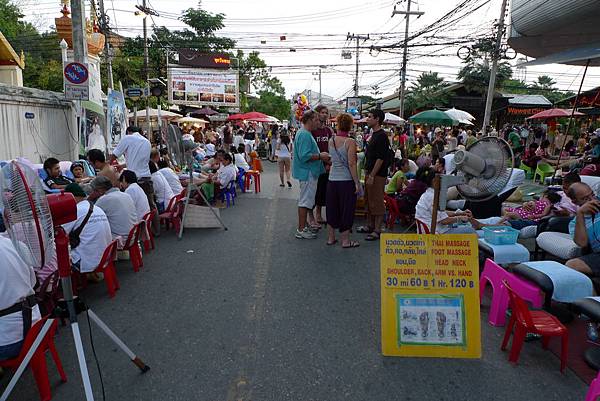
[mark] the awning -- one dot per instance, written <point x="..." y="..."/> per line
<point x="577" y="56"/>
<point x="93" y="106"/>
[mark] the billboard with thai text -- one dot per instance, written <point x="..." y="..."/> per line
<point x="195" y="86"/>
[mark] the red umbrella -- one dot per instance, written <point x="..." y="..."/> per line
<point x="235" y="117"/>
<point x="253" y="115"/>
<point x="205" y="111"/>
<point x="554" y="113"/>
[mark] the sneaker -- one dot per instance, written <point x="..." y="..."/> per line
<point x="592" y="331"/>
<point x="305" y="234"/>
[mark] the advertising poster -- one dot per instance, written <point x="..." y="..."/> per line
<point x="196" y="86"/>
<point x="353" y="104"/>
<point x="430" y="296"/>
<point x="116" y="117"/>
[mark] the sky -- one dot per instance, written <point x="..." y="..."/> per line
<point x="318" y="31"/>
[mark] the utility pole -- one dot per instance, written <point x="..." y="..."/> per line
<point x="494" y="70"/>
<point x="79" y="40"/>
<point x="146" y="72"/>
<point x="106" y="32"/>
<point x="319" y="75"/>
<point x="358" y="38"/>
<point x="407" y="15"/>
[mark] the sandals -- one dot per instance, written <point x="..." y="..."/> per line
<point x="364" y="230"/>
<point x="374" y="236"/>
<point x="332" y="242"/>
<point x="352" y="244"/>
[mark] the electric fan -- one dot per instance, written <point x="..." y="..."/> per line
<point x="34" y="222"/>
<point x="27" y="214"/>
<point x="175" y="146"/>
<point x="482" y="171"/>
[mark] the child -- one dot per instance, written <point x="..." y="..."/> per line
<point x="531" y="212"/>
<point x="398" y="181"/>
<point x="530" y="159"/>
<point x="255" y="162"/>
<point x="79" y="173"/>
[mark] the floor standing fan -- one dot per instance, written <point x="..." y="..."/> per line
<point x="482" y="171"/>
<point x="33" y="221"/>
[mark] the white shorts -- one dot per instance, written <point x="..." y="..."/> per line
<point x="308" y="191"/>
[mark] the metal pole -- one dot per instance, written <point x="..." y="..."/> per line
<point x="106" y="32"/>
<point x="356" y="77"/>
<point x="494" y="70"/>
<point x="320" y="95"/>
<point x="402" y="91"/>
<point x="404" y="59"/>
<point x="575" y="104"/>
<point x="147" y="74"/>
<point x="79" y="52"/>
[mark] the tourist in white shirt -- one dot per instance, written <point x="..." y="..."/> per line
<point x="128" y="183"/>
<point x="171" y="177"/>
<point x="16" y="283"/>
<point x="95" y="235"/>
<point x="118" y="207"/>
<point x="163" y="191"/>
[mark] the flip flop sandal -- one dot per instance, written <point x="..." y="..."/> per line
<point x="364" y="230"/>
<point x="372" y="237"/>
<point x="352" y="244"/>
<point x="332" y="243"/>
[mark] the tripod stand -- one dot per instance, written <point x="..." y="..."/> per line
<point x="71" y="307"/>
<point x="192" y="186"/>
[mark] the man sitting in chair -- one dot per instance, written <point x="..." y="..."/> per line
<point x="129" y="184"/>
<point x="16" y="284"/>
<point x="55" y="180"/>
<point x="118" y="207"/>
<point x="94" y="233"/>
<point x="585" y="229"/>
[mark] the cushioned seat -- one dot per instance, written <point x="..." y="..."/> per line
<point x="504" y="254"/>
<point x="528" y="232"/>
<point x="590" y="307"/>
<point x="558" y="244"/>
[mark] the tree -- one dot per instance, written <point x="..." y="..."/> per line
<point x="544" y="82"/>
<point x="515" y="86"/>
<point x="427" y="91"/>
<point x="475" y="74"/>
<point x="270" y="103"/>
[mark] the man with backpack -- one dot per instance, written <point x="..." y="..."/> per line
<point x="378" y="159"/>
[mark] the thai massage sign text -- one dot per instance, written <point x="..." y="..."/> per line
<point x="430" y="296"/>
<point x="195" y="86"/>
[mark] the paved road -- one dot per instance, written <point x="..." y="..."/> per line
<point x="255" y="314"/>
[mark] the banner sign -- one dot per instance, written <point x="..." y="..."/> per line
<point x="430" y="296"/>
<point x="116" y="117"/>
<point x="353" y="103"/>
<point x="515" y="111"/>
<point x="194" y="86"/>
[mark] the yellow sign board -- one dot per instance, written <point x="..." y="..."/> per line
<point x="430" y="295"/>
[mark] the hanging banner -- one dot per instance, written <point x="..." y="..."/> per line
<point x="195" y="86"/>
<point x="430" y="296"/>
<point x="116" y="117"/>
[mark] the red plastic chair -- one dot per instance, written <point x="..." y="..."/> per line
<point x="38" y="361"/>
<point x="168" y="216"/>
<point x="106" y="267"/>
<point x="422" y="228"/>
<point x="148" y="235"/>
<point x="133" y="246"/>
<point x="255" y="175"/>
<point x="394" y="213"/>
<point x="538" y="322"/>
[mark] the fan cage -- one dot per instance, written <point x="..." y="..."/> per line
<point x="27" y="214"/>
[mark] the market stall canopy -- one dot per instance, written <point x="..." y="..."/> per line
<point x="460" y="114"/>
<point x="578" y="56"/>
<point x="254" y="115"/>
<point x="191" y="120"/>
<point x="235" y="117"/>
<point x="433" y="117"/>
<point x="164" y="114"/>
<point x="205" y="111"/>
<point x="393" y="119"/>
<point x="553" y="113"/>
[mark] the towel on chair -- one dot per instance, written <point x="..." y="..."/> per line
<point x="504" y="254"/>
<point x="569" y="285"/>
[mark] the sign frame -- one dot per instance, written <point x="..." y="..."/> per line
<point x="430" y="295"/>
<point x="172" y="74"/>
<point x="76" y="89"/>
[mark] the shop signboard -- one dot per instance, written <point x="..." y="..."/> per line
<point x="197" y="86"/>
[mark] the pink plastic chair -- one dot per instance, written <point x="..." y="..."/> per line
<point x="494" y="274"/>
<point x="594" y="390"/>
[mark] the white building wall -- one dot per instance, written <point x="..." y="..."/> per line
<point x="51" y="132"/>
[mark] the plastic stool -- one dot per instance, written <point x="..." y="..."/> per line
<point x="495" y="274"/>
<point x="254" y="174"/>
